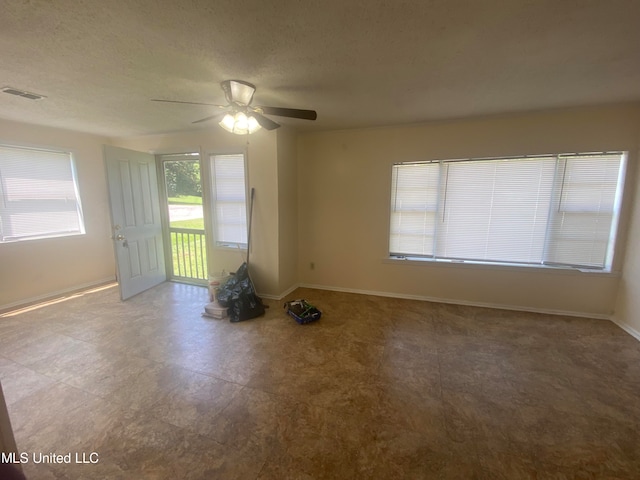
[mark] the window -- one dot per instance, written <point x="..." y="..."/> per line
<point x="549" y="210"/>
<point x="229" y="200"/>
<point x="38" y="194"/>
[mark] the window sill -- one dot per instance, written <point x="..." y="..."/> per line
<point x="41" y="237"/>
<point x="469" y="264"/>
<point x="231" y="247"/>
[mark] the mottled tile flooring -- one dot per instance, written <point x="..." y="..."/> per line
<point x="379" y="388"/>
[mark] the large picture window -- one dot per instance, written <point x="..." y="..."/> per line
<point x="229" y="200"/>
<point x="38" y="194"/>
<point x="559" y="210"/>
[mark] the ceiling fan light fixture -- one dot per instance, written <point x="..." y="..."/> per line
<point x="239" y="123"/>
<point x="253" y="124"/>
<point x="228" y="122"/>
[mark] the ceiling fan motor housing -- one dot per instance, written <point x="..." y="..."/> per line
<point x="238" y="92"/>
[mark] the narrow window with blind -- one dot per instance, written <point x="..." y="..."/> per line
<point x="38" y="194"/>
<point x="553" y="211"/>
<point x="228" y="174"/>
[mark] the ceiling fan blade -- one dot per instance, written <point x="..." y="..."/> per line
<point x="265" y="122"/>
<point x="216" y="116"/>
<point x="188" y="103"/>
<point x="290" y="112"/>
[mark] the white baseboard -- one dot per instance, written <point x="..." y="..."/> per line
<point x="599" y="316"/>
<point x="629" y="329"/>
<point x="279" y="296"/>
<point x="51" y="295"/>
<point x="85" y="286"/>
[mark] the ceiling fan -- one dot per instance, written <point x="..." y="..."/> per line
<point x="239" y="116"/>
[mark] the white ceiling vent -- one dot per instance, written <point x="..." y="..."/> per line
<point x="22" y="93"/>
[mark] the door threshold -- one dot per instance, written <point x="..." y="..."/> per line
<point x="190" y="281"/>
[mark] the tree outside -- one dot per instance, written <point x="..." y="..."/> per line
<point x="183" y="179"/>
<point x="184" y="192"/>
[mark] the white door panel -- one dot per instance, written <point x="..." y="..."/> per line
<point x="135" y="213"/>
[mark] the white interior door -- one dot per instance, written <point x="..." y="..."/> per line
<point x="135" y="216"/>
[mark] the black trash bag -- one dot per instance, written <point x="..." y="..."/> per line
<point x="227" y="292"/>
<point x="239" y="297"/>
<point x="247" y="306"/>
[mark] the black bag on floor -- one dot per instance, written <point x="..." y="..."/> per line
<point x="239" y="297"/>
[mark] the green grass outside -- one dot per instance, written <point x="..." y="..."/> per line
<point x="185" y="200"/>
<point x="189" y="255"/>
<point x="188" y="250"/>
<point x="194" y="223"/>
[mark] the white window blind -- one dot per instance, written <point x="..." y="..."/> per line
<point x="495" y="210"/>
<point x="229" y="200"/>
<point x="413" y="212"/>
<point x="583" y="222"/>
<point x="555" y="210"/>
<point x="39" y="194"/>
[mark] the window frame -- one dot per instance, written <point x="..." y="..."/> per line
<point x="216" y="243"/>
<point x="71" y="154"/>
<point x="612" y="246"/>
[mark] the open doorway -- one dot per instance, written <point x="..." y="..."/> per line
<point x="184" y="231"/>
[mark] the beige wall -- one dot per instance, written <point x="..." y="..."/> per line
<point x="344" y="193"/>
<point x="287" y="210"/>
<point x="35" y="269"/>
<point x="627" y="309"/>
<point x="263" y="175"/>
<point x="324" y="198"/>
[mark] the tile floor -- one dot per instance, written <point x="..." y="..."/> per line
<point x="379" y="388"/>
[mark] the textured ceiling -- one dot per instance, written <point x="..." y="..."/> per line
<point x="357" y="62"/>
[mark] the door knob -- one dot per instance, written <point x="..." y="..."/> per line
<point x="120" y="237"/>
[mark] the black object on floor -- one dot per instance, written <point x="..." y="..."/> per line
<point x="302" y="311"/>
<point x="237" y="294"/>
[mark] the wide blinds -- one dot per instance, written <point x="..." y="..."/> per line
<point x="532" y="210"/>
<point x="495" y="210"/>
<point x="38" y="194"/>
<point x="229" y="199"/>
